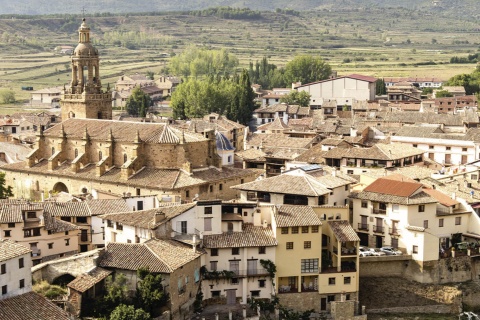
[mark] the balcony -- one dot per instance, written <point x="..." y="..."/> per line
<point x="363" y="226"/>
<point x="350" y="268"/>
<point x="258" y="272"/>
<point x="379" y="211"/>
<point x="393" y="231"/>
<point x="378" y="229"/>
<point x="36" y="253"/>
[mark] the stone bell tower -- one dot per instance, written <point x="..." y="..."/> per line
<point x="84" y="98"/>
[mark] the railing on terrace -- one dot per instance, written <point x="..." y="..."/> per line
<point x="378" y="229"/>
<point x="393" y="231"/>
<point x="235" y="273"/>
<point x="379" y="211"/>
<point x="363" y="226"/>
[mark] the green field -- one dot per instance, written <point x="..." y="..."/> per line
<point x="379" y="42"/>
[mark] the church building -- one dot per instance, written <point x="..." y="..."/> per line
<point x="88" y="151"/>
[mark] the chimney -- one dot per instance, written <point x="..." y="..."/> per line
<point x="334" y="172"/>
<point x="194" y="246"/>
<point x="265" y="224"/>
<point x="454" y="196"/>
<point x="342" y="296"/>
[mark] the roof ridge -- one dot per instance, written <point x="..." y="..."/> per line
<point x="169" y="267"/>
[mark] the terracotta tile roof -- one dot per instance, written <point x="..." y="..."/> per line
<point x="10" y="249"/>
<point x="31" y="306"/>
<point x="296" y="216"/>
<point x="393" y="187"/>
<point x="251" y="154"/>
<point x="287" y="184"/>
<point x="313" y="155"/>
<point x="343" y="231"/>
<point x="380" y="151"/>
<point x="155" y="178"/>
<point x="67" y="209"/>
<point x="332" y="141"/>
<point x="56" y="225"/>
<point x="250" y="236"/>
<point x="278" y="140"/>
<point x="146" y="218"/>
<point x="441" y="197"/>
<point x="162" y="256"/>
<point x="11" y="211"/>
<point x="429" y="118"/>
<point x="87" y="280"/>
<point x="121" y="131"/>
<point x="419" y="198"/>
<point x="414" y="228"/>
<point x="103" y="206"/>
<point x="276" y="124"/>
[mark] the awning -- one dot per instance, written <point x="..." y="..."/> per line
<point x="471" y="235"/>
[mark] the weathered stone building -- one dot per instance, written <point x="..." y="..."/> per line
<point x="86" y="152"/>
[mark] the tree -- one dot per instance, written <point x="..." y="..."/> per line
<point x="124" y="312"/>
<point x="301" y="98"/>
<point x="306" y="69"/>
<point x="149" y="75"/>
<point x="7" y="96"/>
<point x="380" y="87"/>
<point x="5" y="192"/>
<point x="150" y="295"/>
<point x="443" y="94"/>
<point x="138" y="103"/>
<point x="194" y="61"/>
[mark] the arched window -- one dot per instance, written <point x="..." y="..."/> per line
<point x="76" y="153"/>
<point x="100" y="155"/>
<point x="125" y="158"/>
<point x="53" y="151"/>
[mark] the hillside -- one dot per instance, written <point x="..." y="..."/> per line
<point x="463" y="8"/>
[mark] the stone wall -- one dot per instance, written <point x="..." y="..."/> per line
<point x="459" y="269"/>
<point x="437" y="309"/>
<point x="74" y="265"/>
<point x="300" y="301"/>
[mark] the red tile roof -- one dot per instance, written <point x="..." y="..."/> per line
<point x="393" y="187"/>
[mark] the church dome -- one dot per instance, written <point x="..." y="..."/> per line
<point x="85" y="49"/>
<point x="222" y="142"/>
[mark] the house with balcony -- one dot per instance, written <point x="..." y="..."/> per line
<point x="308" y="185"/>
<point x="30" y="225"/>
<point x="233" y="264"/>
<point x="316" y="257"/>
<point x="402" y="213"/>
<point x="380" y="155"/>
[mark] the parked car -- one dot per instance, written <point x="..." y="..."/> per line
<point x="390" y="251"/>
<point x="376" y="252"/>
<point x="364" y="252"/>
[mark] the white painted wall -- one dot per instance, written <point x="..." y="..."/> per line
<point x="14" y="274"/>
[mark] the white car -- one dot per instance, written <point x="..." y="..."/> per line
<point x="376" y="252"/>
<point x="364" y="252"/>
<point x="390" y="251"/>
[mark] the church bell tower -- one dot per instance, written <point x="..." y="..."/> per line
<point x="84" y="98"/>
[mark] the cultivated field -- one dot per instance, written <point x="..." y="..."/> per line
<point x="379" y="42"/>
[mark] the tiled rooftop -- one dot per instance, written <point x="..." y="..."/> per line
<point x="87" y="280"/>
<point x="250" y="236"/>
<point x="343" y="231"/>
<point x="31" y="306"/>
<point x="162" y="256"/>
<point x="10" y="249"/>
<point x="296" y="216"/>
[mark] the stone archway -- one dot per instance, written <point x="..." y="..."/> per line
<point x="63" y="280"/>
<point x="60" y="187"/>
